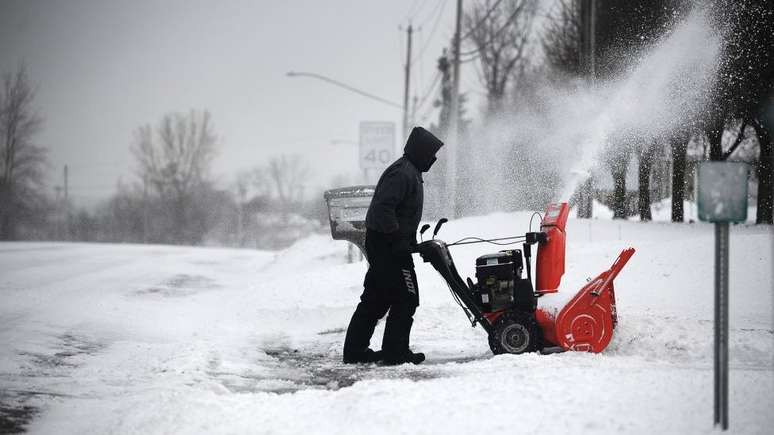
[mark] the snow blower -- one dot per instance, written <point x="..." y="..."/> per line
<point x="517" y="316"/>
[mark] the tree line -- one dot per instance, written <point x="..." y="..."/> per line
<point x="515" y="60"/>
<point x="174" y="199"/>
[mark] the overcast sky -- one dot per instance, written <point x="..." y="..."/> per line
<point x="103" y="68"/>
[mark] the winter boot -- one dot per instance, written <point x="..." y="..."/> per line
<point x="407" y="357"/>
<point x="397" y="331"/>
<point x="365" y="357"/>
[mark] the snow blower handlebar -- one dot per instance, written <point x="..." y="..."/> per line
<point x="472" y="240"/>
<point x="436" y="252"/>
<point x="527" y="241"/>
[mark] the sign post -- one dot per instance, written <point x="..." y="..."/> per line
<point x="377" y="146"/>
<point x="722" y="198"/>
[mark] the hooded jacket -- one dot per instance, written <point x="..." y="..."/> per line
<point x="396" y="207"/>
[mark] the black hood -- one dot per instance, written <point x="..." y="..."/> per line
<point x="421" y="147"/>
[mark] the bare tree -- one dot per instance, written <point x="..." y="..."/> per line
<point x="561" y="37"/>
<point x="288" y="176"/>
<point x="765" y="174"/>
<point x="645" y="154"/>
<point x="618" y="161"/>
<point x="499" y="31"/>
<point x="21" y="161"/>
<point x="678" y="143"/>
<point x="175" y="162"/>
<point x="261" y="182"/>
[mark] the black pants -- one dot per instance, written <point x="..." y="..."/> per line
<point x="390" y="285"/>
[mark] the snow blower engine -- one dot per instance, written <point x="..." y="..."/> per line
<point x="517" y="316"/>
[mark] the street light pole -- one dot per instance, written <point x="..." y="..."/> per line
<point x="345" y="86"/>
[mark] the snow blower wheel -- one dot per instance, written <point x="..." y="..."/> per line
<point x="515" y="333"/>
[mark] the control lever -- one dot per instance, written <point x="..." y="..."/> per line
<point x="438" y="226"/>
<point x="422" y="231"/>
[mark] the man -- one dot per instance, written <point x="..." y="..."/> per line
<point x="391" y="283"/>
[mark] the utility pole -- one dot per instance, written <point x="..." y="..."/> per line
<point x="407" y="83"/>
<point x="588" y="37"/>
<point x="413" y="117"/>
<point x="588" y="14"/>
<point x="58" y="220"/>
<point x="66" y="204"/>
<point x="453" y="138"/>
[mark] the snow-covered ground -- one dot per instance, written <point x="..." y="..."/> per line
<point x="153" y="339"/>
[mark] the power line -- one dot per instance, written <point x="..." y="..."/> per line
<point x="475" y="56"/>
<point x="431" y="13"/>
<point x="507" y="24"/>
<point x="481" y="21"/>
<point x="426" y="115"/>
<point x="428" y="94"/>
<point x="413" y="10"/>
<point x="435" y="13"/>
<point x="429" y="39"/>
<point x="430" y="90"/>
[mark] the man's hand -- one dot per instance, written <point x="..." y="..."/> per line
<point x="401" y="247"/>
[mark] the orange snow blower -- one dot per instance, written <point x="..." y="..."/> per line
<point x="517" y="316"/>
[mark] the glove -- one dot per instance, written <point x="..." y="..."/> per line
<point x="399" y="246"/>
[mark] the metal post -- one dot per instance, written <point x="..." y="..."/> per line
<point x="721" y="324"/>
<point x="58" y="220"/>
<point x="145" y="225"/>
<point x="66" y="202"/>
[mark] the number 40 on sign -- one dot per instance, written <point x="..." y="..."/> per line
<point x="377" y="144"/>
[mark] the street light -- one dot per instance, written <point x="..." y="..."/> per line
<point x="365" y="94"/>
<point x="345" y="86"/>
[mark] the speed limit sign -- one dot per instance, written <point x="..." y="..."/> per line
<point x="377" y="144"/>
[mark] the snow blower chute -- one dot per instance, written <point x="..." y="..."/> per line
<point x="517" y="318"/>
